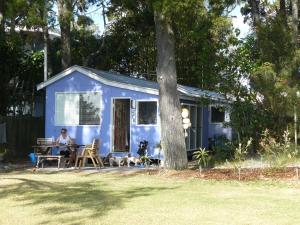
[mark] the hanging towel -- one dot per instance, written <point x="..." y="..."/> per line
<point x="2" y="133"/>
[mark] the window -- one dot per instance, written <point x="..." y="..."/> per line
<point x="217" y="114"/>
<point x="147" y="112"/>
<point x="77" y="108"/>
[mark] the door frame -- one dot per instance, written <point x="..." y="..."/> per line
<point x="201" y="119"/>
<point x="112" y="124"/>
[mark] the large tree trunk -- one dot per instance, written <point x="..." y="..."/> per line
<point x="2" y="5"/>
<point x="103" y="14"/>
<point x="45" y="36"/>
<point x="282" y="8"/>
<point x="295" y="23"/>
<point x="172" y="135"/>
<point x="65" y="16"/>
<point x="254" y="4"/>
<point x="295" y="18"/>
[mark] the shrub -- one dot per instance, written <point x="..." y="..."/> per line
<point x="240" y="154"/>
<point x="202" y="156"/>
<point x="222" y="149"/>
<point x="277" y="152"/>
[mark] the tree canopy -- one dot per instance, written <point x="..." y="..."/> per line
<point x="261" y="70"/>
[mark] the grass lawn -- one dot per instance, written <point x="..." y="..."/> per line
<point x="89" y="198"/>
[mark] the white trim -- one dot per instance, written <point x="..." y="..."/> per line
<point x="98" y="78"/>
<point x="112" y="124"/>
<point x="189" y="104"/>
<point x="137" y="112"/>
<point x="78" y="92"/>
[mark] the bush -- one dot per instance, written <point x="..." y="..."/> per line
<point x="222" y="149"/>
<point x="278" y="152"/>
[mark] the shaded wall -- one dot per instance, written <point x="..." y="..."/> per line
<point x="21" y="134"/>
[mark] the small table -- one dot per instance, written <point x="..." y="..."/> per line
<point x="41" y="158"/>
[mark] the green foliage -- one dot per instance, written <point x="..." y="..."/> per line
<point x="270" y="43"/>
<point x="241" y="151"/>
<point x="20" y="71"/>
<point x="201" y="156"/>
<point x="240" y="154"/>
<point x="222" y="149"/>
<point x="202" y="37"/>
<point x="270" y="61"/>
<point x="277" y="151"/>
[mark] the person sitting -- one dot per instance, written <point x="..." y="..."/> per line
<point x="62" y="141"/>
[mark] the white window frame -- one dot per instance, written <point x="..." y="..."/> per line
<point x="210" y="114"/>
<point x="137" y="112"/>
<point x="78" y="92"/>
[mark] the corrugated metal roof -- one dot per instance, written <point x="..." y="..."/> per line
<point x="132" y="83"/>
<point x="121" y="78"/>
<point x="185" y="90"/>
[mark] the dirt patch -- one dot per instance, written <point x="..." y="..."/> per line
<point x="231" y="174"/>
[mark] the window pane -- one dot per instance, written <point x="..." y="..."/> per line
<point x="147" y="112"/>
<point x="66" y="109"/>
<point x="217" y="114"/>
<point x="89" y="108"/>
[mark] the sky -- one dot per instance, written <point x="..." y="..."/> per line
<point x="238" y="21"/>
<point x="96" y="14"/>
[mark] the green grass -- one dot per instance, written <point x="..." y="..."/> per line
<point x="86" y="198"/>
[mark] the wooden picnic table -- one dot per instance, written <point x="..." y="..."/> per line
<point x="42" y="158"/>
<point x="47" y="155"/>
<point x="72" y="147"/>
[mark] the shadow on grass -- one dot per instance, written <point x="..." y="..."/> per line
<point x="72" y="202"/>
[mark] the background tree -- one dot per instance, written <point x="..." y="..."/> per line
<point x="65" y="14"/>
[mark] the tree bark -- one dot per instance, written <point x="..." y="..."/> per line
<point x="282" y="7"/>
<point x="295" y="19"/>
<point x="2" y="5"/>
<point x="295" y="128"/>
<point x="45" y="35"/>
<point x="103" y="13"/>
<point x="65" y="15"/>
<point x="254" y="4"/>
<point x="172" y="135"/>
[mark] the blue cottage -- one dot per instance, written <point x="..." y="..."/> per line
<point x="122" y="111"/>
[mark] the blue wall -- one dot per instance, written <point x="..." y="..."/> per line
<point x="210" y="130"/>
<point x="76" y="82"/>
<point x="84" y="134"/>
